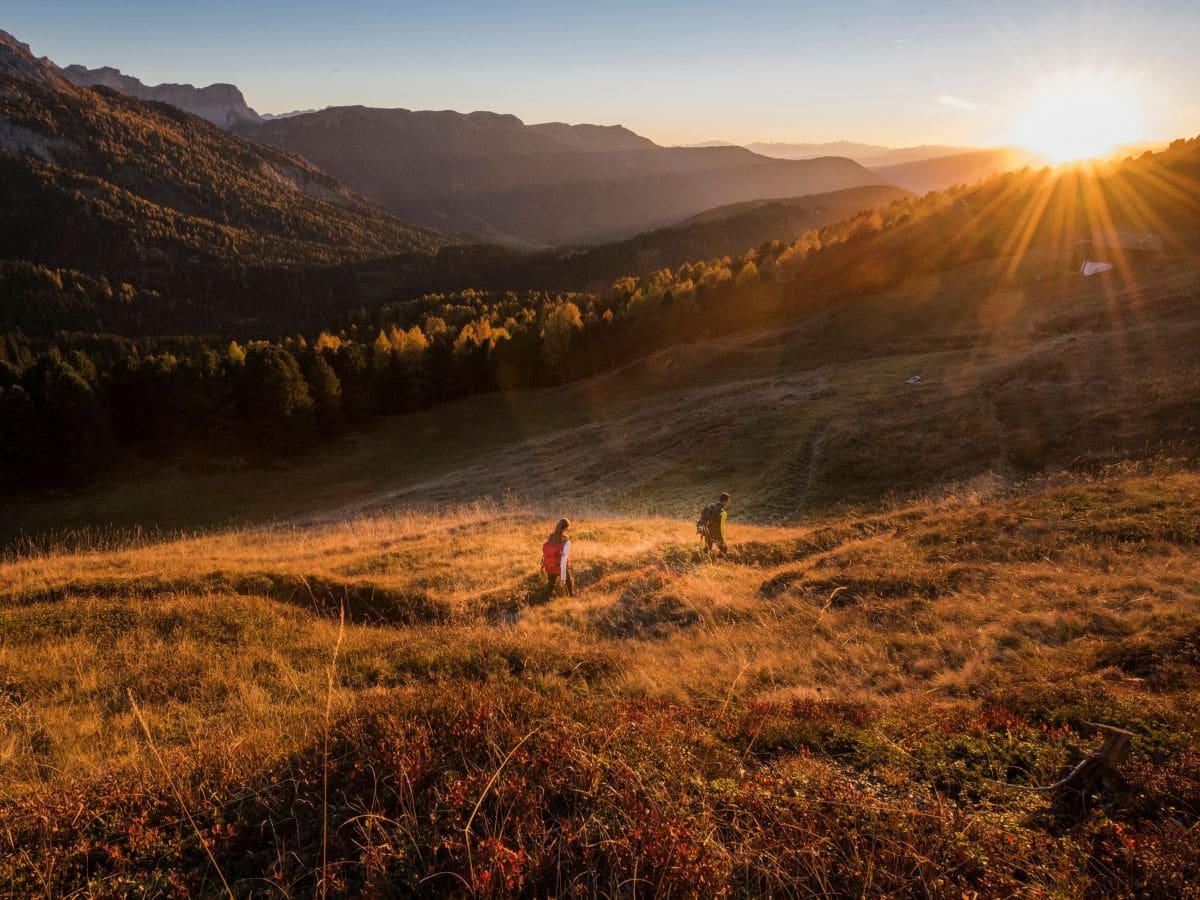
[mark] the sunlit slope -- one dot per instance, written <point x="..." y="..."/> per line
<point x="715" y="233"/>
<point x="938" y="173"/>
<point x="1014" y="379"/>
<point x="233" y="628"/>
<point x="1023" y="371"/>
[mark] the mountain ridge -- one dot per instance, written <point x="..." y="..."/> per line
<point x="537" y="185"/>
<point x="491" y="174"/>
<point x="162" y="202"/>
<point x="594" y="138"/>
<point x="868" y="154"/>
<point x="18" y="61"/>
<point x="220" y="103"/>
<point x="937" y="173"/>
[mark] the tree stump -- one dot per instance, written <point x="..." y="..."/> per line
<point x="1095" y="771"/>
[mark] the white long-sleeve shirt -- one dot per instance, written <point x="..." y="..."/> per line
<point x="566" y="554"/>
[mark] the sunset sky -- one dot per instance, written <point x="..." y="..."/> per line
<point x="679" y="72"/>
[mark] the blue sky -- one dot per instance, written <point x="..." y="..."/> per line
<point x="937" y="72"/>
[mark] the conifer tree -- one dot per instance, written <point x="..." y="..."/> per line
<point x="326" y="391"/>
<point x="274" y="403"/>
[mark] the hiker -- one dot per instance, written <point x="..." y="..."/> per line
<point x="556" y="560"/>
<point x="711" y="524"/>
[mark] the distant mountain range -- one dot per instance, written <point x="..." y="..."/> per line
<point x="929" y="167"/>
<point x="869" y="155"/>
<point x="286" y="115"/>
<point x="494" y="176"/>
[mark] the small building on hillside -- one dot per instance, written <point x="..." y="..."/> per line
<point x="1114" y="247"/>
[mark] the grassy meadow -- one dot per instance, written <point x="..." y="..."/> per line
<point x="388" y="702"/>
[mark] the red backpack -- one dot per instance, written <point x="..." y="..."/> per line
<point x="552" y="557"/>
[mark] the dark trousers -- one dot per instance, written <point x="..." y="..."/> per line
<point x="710" y="542"/>
<point x="552" y="580"/>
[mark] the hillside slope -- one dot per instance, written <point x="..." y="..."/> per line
<point x="493" y="175"/>
<point x="724" y="231"/>
<point x="1046" y="370"/>
<point x="97" y="181"/>
<point x="934" y="174"/>
<point x="815" y="207"/>
<point x="1023" y="368"/>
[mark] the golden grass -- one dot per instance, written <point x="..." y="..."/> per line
<point x="225" y="639"/>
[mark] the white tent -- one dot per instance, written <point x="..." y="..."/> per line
<point x="1091" y="268"/>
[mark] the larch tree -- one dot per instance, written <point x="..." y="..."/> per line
<point x="562" y="322"/>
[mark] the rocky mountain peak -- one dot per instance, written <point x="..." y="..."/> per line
<point x="221" y="104"/>
<point x="17" y="59"/>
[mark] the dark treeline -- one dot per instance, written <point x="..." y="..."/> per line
<point x="66" y="414"/>
<point x="41" y="302"/>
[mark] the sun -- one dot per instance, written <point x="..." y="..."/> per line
<point x="1083" y="114"/>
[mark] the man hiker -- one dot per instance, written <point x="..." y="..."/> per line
<point x="711" y="524"/>
<point x="556" y="560"/>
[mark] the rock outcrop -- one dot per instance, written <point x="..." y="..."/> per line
<point x="221" y="104"/>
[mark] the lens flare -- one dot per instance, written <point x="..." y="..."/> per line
<point x="1085" y="114"/>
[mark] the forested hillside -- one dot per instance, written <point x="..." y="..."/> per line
<point x="184" y="225"/>
<point x="715" y="233"/>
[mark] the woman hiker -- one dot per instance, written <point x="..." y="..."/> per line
<point x="556" y="559"/>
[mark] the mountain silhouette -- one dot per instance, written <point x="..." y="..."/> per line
<point x="495" y="176"/>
